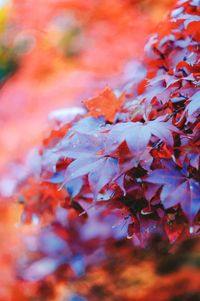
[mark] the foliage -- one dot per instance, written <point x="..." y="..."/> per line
<point x="135" y="153"/>
<point x="62" y="53"/>
<point x="127" y="168"/>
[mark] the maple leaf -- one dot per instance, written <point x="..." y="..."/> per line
<point x="177" y="188"/>
<point x="194" y="105"/>
<point x="137" y="134"/>
<point x="80" y="140"/>
<point x="86" y="147"/>
<point x="190" y="149"/>
<point x="73" y="187"/>
<point x="168" y="79"/>
<point x="105" y="104"/>
<point x="191" y="152"/>
<point x="84" y="143"/>
<point x="101" y="170"/>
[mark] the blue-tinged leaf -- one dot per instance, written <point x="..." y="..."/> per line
<point x="80" y="167"/>
<point x="162" y="130"/>
<point x="82" y="145"/>
<point x="51" y="244"/>
<point x="87" y="125"/>
<point x="177" y="189"/>
<point x="77" y="263"/>
<point x="190" y="202"/>
<point x="120" y="182"/>
<point x="194" y="105"/>
<point x="50" y="159"/>
<point x="138" y="139"/>
<point x="74" y="186"/>
<point x="41" y="268"/>
<point x="163" y="176"/>
<point x="137" y="134"/>
<point x="105" y="195"/>
<point x="77" y="298"/>
<point x="129" y="132"/>
<point x="195" y="3"/>
<point x="104" y="172"/>
<point x="57" y="178"/>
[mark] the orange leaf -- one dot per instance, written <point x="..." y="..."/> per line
<point x="105" y="104"/>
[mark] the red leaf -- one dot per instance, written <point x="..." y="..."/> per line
<point x="105" y="104"/>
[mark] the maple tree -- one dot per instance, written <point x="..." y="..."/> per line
<point x="122" y="175"/>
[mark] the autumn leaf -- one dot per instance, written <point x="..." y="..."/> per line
<point x="194" y="105"/>
<point x="177" y="188"/>
<point x="105" y="104"/>
<point x="138" y="134"/>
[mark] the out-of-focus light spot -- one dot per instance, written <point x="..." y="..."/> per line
<point x="77" y="298"/>
<point x="63" y="21"/>
<point x="35" y="219"/>
<point x="40" y="269"/>
<point x="51" y="244"/>
<point x="31" y="243"/>
<point x="61" y="215"/>
<point x="191" y="230"/>
<point x="7" y="187"/>
<point x="77" y="264"/>
<point x="3" y="2"/>
<point x="24" y="42"/>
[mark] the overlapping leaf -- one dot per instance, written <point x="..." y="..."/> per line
<point x="177" y="188"/>
<point x="138" y="135"/>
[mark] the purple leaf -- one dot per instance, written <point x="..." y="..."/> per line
<point x="137" y="135"/>
<point x="177" y="189"/>
<point x="40" y="269"/>
<point x="57" y="178"/>
<point x="103" y="173"/>
<point x="194" y="105"/>
<point x="74" y="187"/>
<point x="100" y="171"/>
<point x="82" y="145"/>
<point x="80" y="167"/>
<point x="88" y="125"/>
